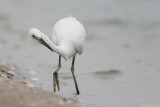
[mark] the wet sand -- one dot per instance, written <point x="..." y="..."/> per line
<point x="16" y="93"/>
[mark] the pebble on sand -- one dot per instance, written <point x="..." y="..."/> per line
<point x="30" y="85"/>
<point x="3" y="75"/>
<point x="25" y="82"/>
<point x="34" y="79"/>
<point x="32" y="72"/>
<point x="11" y="73"/>
<point x="3" y="69"/>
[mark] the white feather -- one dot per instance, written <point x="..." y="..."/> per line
<point x="67" y="39"/>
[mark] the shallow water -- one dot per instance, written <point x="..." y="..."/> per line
<point x="120" y="65"/>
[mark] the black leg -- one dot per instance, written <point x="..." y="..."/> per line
<point x="72" y="70"/>
<point x="55" y="76"/>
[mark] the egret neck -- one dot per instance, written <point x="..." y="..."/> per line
<point x="62" y="49"/>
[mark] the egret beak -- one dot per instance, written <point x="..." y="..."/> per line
<point x="45" y="44"/>
<point x="42" y="42"/>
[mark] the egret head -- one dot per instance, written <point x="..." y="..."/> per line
<point x="37" y="35"/>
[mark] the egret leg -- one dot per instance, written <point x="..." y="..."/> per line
<point x="55" y="76"/>
<point x="72" y="70"/>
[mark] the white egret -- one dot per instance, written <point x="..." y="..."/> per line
<point x="67" y="40"/>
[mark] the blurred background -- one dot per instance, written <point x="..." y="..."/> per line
<point x="120" y="65"/>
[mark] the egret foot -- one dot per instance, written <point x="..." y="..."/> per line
<point x="55" y="81"/>
<point x="78" y="92"/>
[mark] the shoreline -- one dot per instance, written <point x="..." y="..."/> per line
<point x="16" y="93"/>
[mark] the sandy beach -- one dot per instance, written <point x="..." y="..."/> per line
<point x="17" y="93"/>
